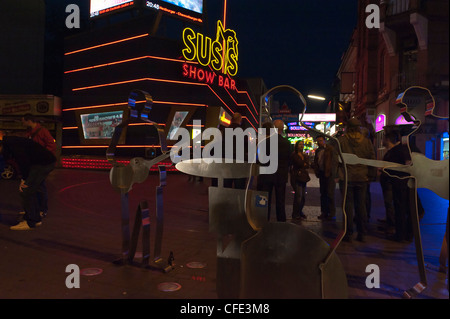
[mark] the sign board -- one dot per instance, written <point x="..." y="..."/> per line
<point x="38" y="105"/>
<point x="380" y="122"/>
<point x="319" y="117"/>
<point x="220" y="53"/>
<point x="286" y="118"/>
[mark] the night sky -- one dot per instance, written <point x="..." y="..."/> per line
<point x="291" y="42"/>
<point x="298" y="43"/>
<point x="286" y="42"/>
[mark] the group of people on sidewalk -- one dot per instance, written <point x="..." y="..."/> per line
<point x="34" y="154"/>
<point x="293" y="166"/>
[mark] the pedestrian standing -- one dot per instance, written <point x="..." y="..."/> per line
<point x="278" y="180"/>
<point x="299" y="177"/>
<point x="326" y="170"/>
<point x="42" y="136"/>
<point x="354" y="142"/>
<point x="238" y="183"/>
<point x="394" y="185"/>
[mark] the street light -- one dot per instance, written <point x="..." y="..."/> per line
<point x="315" y="97"/>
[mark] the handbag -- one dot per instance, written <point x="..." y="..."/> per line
<point x="300" y="175"/>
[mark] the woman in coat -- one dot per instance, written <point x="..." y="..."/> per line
<point x="299" y="178"/>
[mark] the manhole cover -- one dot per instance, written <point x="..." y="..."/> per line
<point x="169" y="286"/>
<point x="91" y="271"/>
<point x="196" y="265"/>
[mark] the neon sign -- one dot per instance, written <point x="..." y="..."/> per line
<point x="402" y="121"/>
<point x="319" y="117"/>
<point x="224" y="119"/>
<point x="380" y="122"/>
<point x="208" y="77"/>
<point x="221" y="54"/>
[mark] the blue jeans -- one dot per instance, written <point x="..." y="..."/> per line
<point x="299" y="199"/>
<point x="30" y="195"/>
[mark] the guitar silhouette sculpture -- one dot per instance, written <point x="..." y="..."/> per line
<point x="423" y="172"/>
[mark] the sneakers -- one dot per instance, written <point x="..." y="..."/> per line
<point x="22" y="226"/>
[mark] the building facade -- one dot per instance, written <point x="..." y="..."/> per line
<point x="410" y="48"/>
<point x="105" y="64"/>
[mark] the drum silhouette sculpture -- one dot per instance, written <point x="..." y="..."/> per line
<point x="261" y="259"/>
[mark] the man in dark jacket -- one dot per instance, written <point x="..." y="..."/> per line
<point x="239" y="183"/>
<point x="354" y="142"/>
<point x="395" y="190"/>
<point x="35" y="163"/>
<point x="326" y="168"/>
<point x="279" y="179"/>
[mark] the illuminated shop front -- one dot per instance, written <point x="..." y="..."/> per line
<point x="189" y="78"/>
<point x="324" y="122"/>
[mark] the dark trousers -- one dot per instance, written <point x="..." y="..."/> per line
<point x="327" y="190"/>
<point x="268" y="183"/>
<point x="368" y="201"/>
<point x="29" y="195"/>
<point x="386" y="187"/>
<point x="398" y="209"/>
<point x="355" y="206"/>
<point x="43" y="198"/>
<point x="299" y="199"/>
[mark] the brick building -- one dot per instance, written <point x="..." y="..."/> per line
<point x="410" y="48"/>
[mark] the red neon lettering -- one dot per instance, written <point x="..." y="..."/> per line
<point x="185" y="70"/>
<point x="200" y="75"/>
<point x="210" y="77"/>
<point x="192" y="72"/>
<point x="233" y="85"/>
<point x="220" y="80"/>
<point x="226" y="83"/>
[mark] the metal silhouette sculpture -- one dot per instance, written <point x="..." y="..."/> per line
<point x="264" y="259"/>
<point x="423" y="172"/>
<point x="123" y="177"/>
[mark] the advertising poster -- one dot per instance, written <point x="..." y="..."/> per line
<point x="100" y="125"/>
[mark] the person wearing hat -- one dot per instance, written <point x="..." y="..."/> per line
<point x="354" y="142"/>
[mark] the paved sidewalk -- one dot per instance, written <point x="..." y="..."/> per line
<point x="83" y="227"/>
